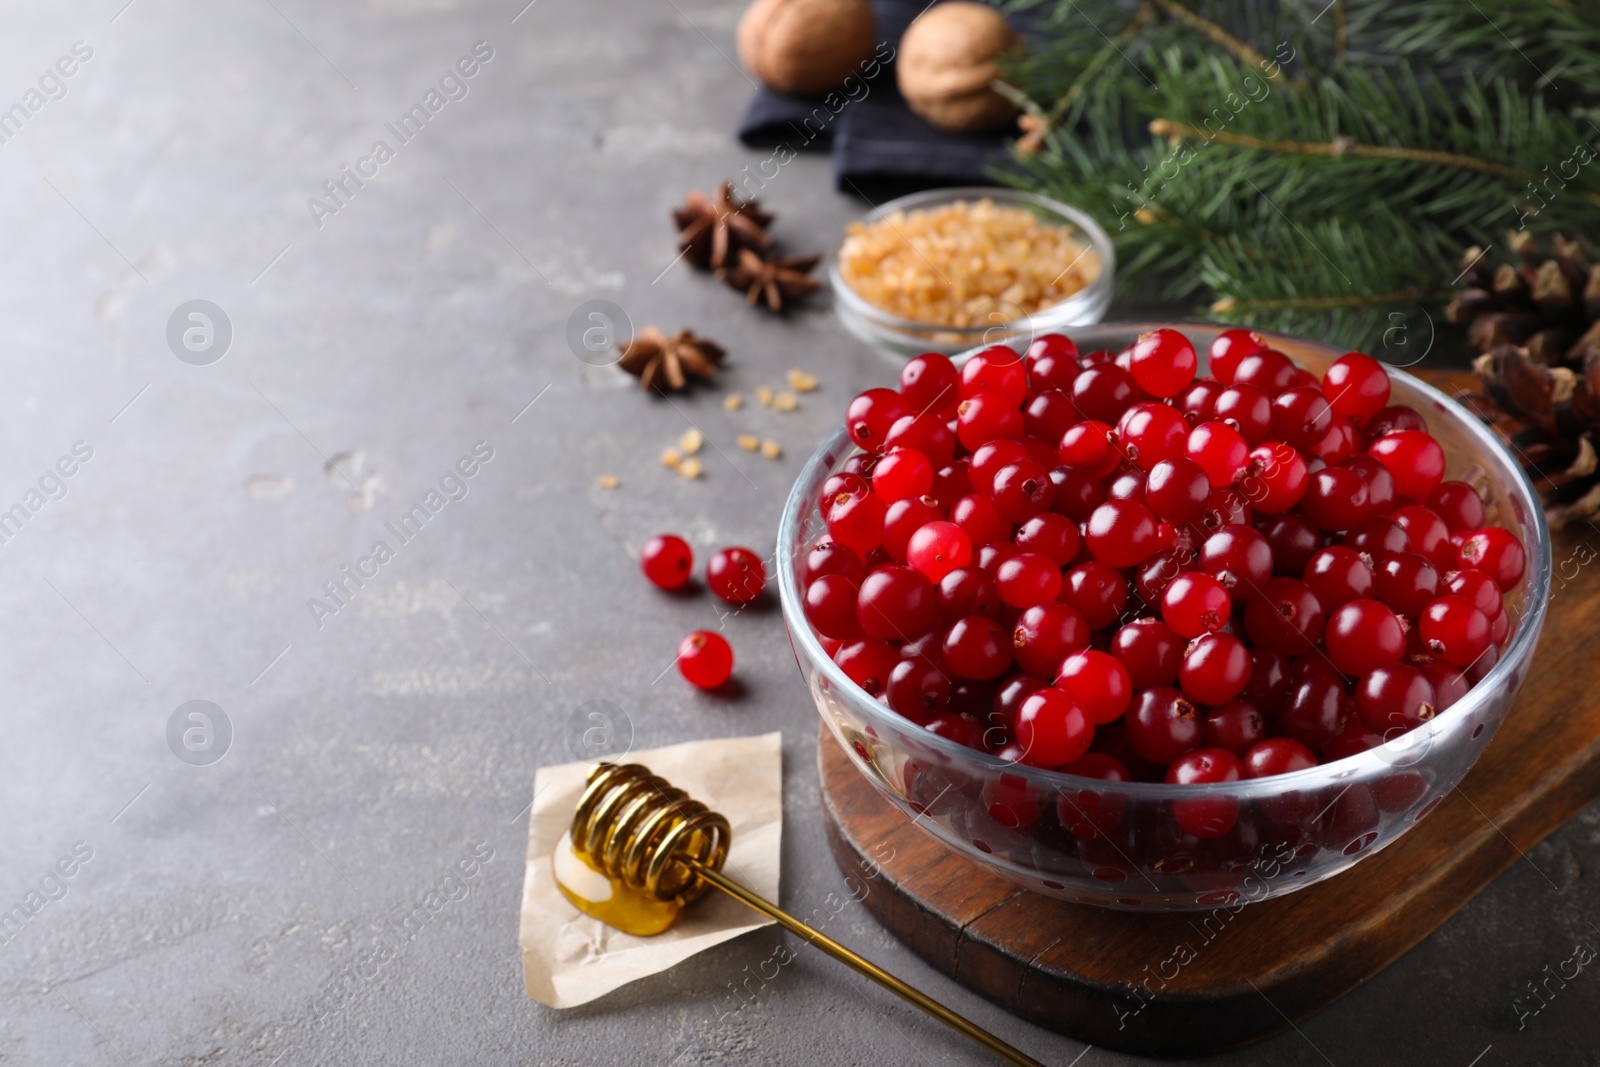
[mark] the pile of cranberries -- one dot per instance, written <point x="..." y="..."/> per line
<point x="1105" y="564"/>
<point x="736" y="575"/>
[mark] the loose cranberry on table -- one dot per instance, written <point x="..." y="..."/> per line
<point x="736" y="575"/>
<point x="667" y="561"/>
<point x="705" y="659"/>
<point x="1103" y="563"/>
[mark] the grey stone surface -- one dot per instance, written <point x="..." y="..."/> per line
<point x="373" y="748"/>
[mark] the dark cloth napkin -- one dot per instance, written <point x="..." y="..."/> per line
<point x="880" y="146"/>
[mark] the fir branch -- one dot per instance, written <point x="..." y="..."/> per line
<point x="1212" y="31"/>
<point x="1344" y="146"/>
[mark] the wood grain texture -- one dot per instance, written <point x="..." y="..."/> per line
<point x="1079" y="969"/>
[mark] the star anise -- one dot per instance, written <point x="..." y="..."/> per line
<point x="710" y="231"/>
<point x="780" y="279"/>
<point x="665" y="363"/>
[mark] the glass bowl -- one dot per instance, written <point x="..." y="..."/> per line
<point x="1119" y="845"/>
<point x="907" y="337"/>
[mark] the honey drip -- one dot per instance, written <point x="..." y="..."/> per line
<point x="592" y="892"/>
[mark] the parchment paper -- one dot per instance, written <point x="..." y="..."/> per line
<point x="569" y="958"/>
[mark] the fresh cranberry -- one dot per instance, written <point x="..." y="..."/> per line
<point x="1275" y="478"/>
<point x="997" y="370"/>
<point x="1301" y="416"/>
<point x="1277" y="755"/>
<point x="1356" y="385"/>
<point x="667" y="561"/>
<point x="928" y="382"/>
<point x="1495" y="552"/>
<point x="1121" y="533"/>
<point x="1427" y="533"/>
<point x="1378" y="537"/>
<point x="1027" y="578"/>
<point x="868" y="663"/>
<point x="1388" y="420"/>
<point x="1364" y="634"/>
<point x="1239" y="557"/>
<point x="1195" y="603"/>
<point x="1052" y="361"/>
<point x="902" y="474"/>
<point x="918" y="689"/>
<point x="951" y="483"/>
<point x="1336" y="499"/>
<point x="1049" y="414"/>
<point x="1052" y="729"/>
<point x="1216" y="668"/>
<point x="1315" y="711"/>
<point x="1287" y="617"/>
<point x="1092" y="446"/>
<point x="830" y="606"/>
<point x="977" y="647"/>
<point x="937" y="548"/>
<point x="926" y="432"/>
<point x="985" y="417"/>
<point x="1162" y="362"/>
<point x="705" y="659"/>
<point x="1247" y="409"/>
<point x="980" y="520"/>
<point x="1152" y="432"/>
<point x="1236" y="726"/>
<point x="1097" y="682"/>
<point x="736" y="575"/>
<point x="1162" y="725"/>
<point x="1089" y="813"/>
<point x="1177" y="490"/>
<point x="855" y="520"/>
<point x="1103" y="392"/>
<point x="1406" y="582"/>
<point x="1449" y="684"/>
<point x="1294" y="539"/>
<point x="1415" y="460"/>
<point x="1479" y="589"/>
<point x="829" y="557"/>
<point x="1341" y="442"/>
<point x="1150" y="650"/>
<point x="988" y="460"/>
<point x="1455" y="631"/>
<point x="897" y="603"/>
<point x="1207" y="817"/>
<point x="1077" y="492"/>
<point x="1380" y="483"/>
<point x="1199" y="402"/>
<point x="1219" y="450"/>
<point x="1228" y="349"/>
<point x="1338" y="575"/>
<point x="1268" y="686"/>
<point x="962" y="729"/>
<point x="903" y="519"/>
<point x="1022" y="490"/>
<point x="870" y="416"/>
<point x="1458" y="504"/>
<point x="1045" y="635"/>
<point x="1394" y="698"/>
<point x="1052" y="535"/>
<point x="1268" y="370"/>
<point x="968" y="591"/>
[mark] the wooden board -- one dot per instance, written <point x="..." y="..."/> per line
<point x="1075" y="968"/>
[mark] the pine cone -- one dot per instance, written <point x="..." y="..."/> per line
<point x="1537" y="321"/>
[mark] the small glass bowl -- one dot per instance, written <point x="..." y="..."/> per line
<point x="1119" y="845"/>
<point x="907" y="338"/>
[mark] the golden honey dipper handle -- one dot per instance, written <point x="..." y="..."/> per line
<point x="865" y="966"/>
<point x="639" y="829"/>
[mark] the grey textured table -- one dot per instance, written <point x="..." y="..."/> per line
<point x="225" y="912"/>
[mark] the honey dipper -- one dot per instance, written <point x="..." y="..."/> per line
<point x="661" y="844"/>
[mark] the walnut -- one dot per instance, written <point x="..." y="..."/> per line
<point x="947" y="62"/>
<point x="805" y="47"/>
